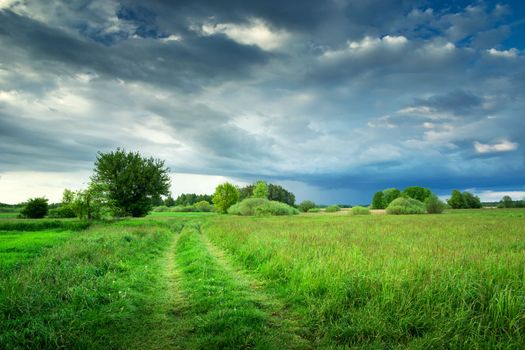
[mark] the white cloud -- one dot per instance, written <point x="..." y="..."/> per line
<point x="495" y="196"/>
<point x="19" y="186"/>
<point x="503" y="146"/>
<point x="512" y="53"/>
<point x="256" y="32"/>
<point x="367" y="44"/>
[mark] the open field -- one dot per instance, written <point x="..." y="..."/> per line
<point x="201" y="281"/>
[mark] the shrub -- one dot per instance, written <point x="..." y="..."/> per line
<point x="400" y="206"/>
<point x="314" y="210"/>
<point x="305" y="206"/>
<point x="161" y="209"/>
<point x="35" y="208"/>
<point x="332" y="208"/>
<point x="203" y="206"/>
<point x="417" y="192"/>
<point x="359" y="210"/>
<point x="434" y="205"/>
<point x="389" y="195"/>
<point x="261" y="206"/>
<point x="182" y="209"/>
<point x="62" y="212"/>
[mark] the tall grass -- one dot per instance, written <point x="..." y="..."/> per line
<point x="453" y="281"/>
<point x="96" y="290"/>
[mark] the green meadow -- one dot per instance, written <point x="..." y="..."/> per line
<point x="310" y="281"/>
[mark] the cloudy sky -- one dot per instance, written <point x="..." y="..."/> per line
<point x="332" y="99"/>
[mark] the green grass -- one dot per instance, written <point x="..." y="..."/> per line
<point x="17" y="247"/>
<point x="448" y="281"/>
<point x="225" y="313"/>
<point x="180" y="214"/>
<point x="8" y="215"/>
<point x="208" y="281"/>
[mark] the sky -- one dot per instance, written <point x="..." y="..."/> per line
<point x="334" y="100"/>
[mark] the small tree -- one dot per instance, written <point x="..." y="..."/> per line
<point x="456" y="200"/>
<point x="35" y="208"/>
<point x="225" y="196"/>
<point x="506" y="202"/>
<point x="378" y="201"/>
<point x="260" y="190"/>
<point x="130" y="181"/>
<point x="169" y="201"/>
<point x="304" y="206"/>
<point x="278" y="193"/>
<point x="434" y="205"/>
<point x="389" y="195"/>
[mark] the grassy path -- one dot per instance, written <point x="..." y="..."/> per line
<point x="225" y="309"/>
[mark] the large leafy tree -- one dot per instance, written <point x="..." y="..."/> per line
<point x="130" y="181"/>
<point x="471" y="201"/>
<point x="225" y="196"/>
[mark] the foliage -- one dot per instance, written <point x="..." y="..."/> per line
<point x="314" y="210"/>
<point x="261" y="207"/>
<point x="378" y="201"/>
<point x="260" y="190"/>
<point x="332" y="208"/>
<point x="93" y="204"/>
<point x="246" y="192"/>
<point x="402" y="206"/>
<point x="203" y="206"/>
<point x="169" y="201"/>
<point x="191" y="198"/>
<point x="359" y="210"/>
<point x="62" y="212"/>
<point x="278" y="193"/>
<point x="417" y="192"/>
<point x="225" y="196"/>
<point x="434" y="205"/>
<point x="35" y="208"/>
<point x="506" y="202"/>
<point x="471" y="201"/>
<point x="389" y="195"/>
<point x="456" y="200"/>
<point x="130" y="181"/>
<point x="306" y="205"/>
<point x="463" y="200"/>
<point x="275" y="193"/>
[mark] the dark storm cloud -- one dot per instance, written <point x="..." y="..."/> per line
<point x="189" y="64"/>
<point x="346" y="95"/>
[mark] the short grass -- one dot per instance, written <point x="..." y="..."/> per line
<point x="433" y="281"/>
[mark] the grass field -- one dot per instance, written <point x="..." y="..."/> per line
<point x="201" y="281"/>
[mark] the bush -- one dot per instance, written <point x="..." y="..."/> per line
<point x="203" y="206"/>
<point x="261" y="207"/>
<point x="359" y="210"/>
<point x="182" y="209"/>
<point x="62" y="212"/>
<point x="434" y="205"/>
<point x="161" y="209"/>
<point x="35" y="208"/>
<point x="332" y="208"/>
<point x="401" y="206"/>
<point x="305" y="206"/>
<point x="314" y="210"/>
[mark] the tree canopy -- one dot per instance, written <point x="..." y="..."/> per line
<point x="225" y="196"/>
<point x="130" y="181"/>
